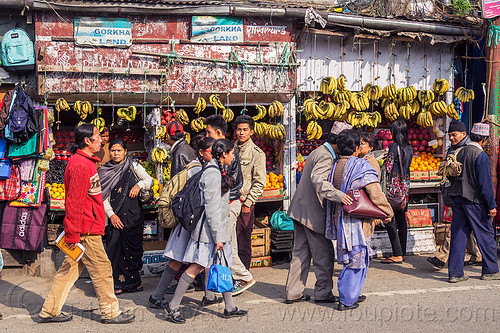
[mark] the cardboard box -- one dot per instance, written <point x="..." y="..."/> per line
<point x="433" y="175"/>
<point x="271" y="193"/>
<point x="419" y="218"/>
<point x="56" y="204"/>
<point x="260" y="262"/>
<point x="419" y="175"/>
<point x="440" y="231"/>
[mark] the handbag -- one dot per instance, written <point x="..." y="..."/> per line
<point x="362" y="207"/>
<point x="10" y="189"/>
<point x="281" y="221"/>
<point x="146" y="196"/>
<point x="220" y="278"/>
<point x="397" y="200"/>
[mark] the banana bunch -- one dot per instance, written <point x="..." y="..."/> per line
<point x="127" y="114"/>
<point x="187" y="136"/>
<point x="201" y="104"/>
<point x="99" y="123"/>
<point x="275" y="109"/>
<point x="463" y="95"/>
<point x="390" y="91"/>
<point x="374" y="92"/>
<point x="326" y="110"/>
<point x="424" y="119"/>
<point x="261" y="129"/>
<point x="438" y="109"/>
<point x="374" y="119"/>
<point x="161" y="131"/>
<point x="159" y="155"/>
<point x="360" y="101"/>
<point x="342" y="95"/>
<point x="83" y="109"/>
<point x="391" y="111"/>
<point x="341" y="110"/>
<point x="62" y="105"/>
<point x="405" y="111"/>
<point x="415" y="107"/>
<point x="452" y="112"/>
<point x="440" y="86"/>
<point x="198" y="124"/>
<point x="262" y="112"/>
<point x="425" y="97"/>
<point x="214" y="99"/>
<point x="228" y="115"/>
<point x="328" y="85"/>
<point x="181" y="116"/>
<point x="276" y="131"/>
<point x="314" y="131"/>
<point x="358" y="119"/>
<point x="407" y="94"/>
<point x="311" y="109"/>
<point x="341" y="82"/>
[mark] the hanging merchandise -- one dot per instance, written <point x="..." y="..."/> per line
<point x="17" y="51"/>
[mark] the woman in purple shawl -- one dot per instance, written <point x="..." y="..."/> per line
<point x="353" y="235"/>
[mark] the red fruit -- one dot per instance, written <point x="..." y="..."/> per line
<point x="423" y="143"/>
<point x="58" y="157"/>
<point x="421" y="148"/>
<point x="163" y="122"/>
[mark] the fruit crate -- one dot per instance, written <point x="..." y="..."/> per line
<point x="56" y="204"/>
<point x="433" y="175"/>
<point x="419" y="176"/>
<point x="260" y="262"/>
<point x="270" y="193"/>
<point x="261" y="242"/>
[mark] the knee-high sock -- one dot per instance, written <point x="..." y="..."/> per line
<point x="228" y="301"/>
<point x="182" y="286"/>
<point x="167" y="277"/>
<point x="208" y="294"/>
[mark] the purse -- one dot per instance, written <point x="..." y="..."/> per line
<point x="397" y="200"/>
<point x="362" y="207"/>
<point x="10" y="189"/>
<point x="146" y="196"/>
<point x="220" y="278"/>
<point x="281" y="221"/>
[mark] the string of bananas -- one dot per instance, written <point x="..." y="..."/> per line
<point x="201" y="105"/>
<point x="464" y="95"/>
<point x="159" y="155"/>
<point x="405" y="111"/>
<point x="342" y="95"/>
<point x="214" y="99"/>
<point x="228" y="115"/>
<point x="391" y="111"/>
<point x="424" y="119"/>
<point x="83" y="109"/>
<point x="314" y="131"/>
<point x="390" y="91"/>
<point x="62" y="105"/>
<point x="99" y="123"/>
<point x="127" y="114"/>
<point x="407" y="94"/>
<point x="181" y="116"/>
<point x="341" y="82"/>
<point x="374" y="119"/>
<point x="311" y="109"/>
<point x="275" y="109"/>
<point x="452" y="112"/>
<point x="360" y="101"/>
<point x="358" y="119"/>
<point x="271" y="131"/>
<point x="328" y="85"/>
<point x="262" y="112"/>
<point x="373" y="91"/>
<point x="425" y="97"/>
<point x="341" y="110"/>
<point x="440" y="86"/>
<point x="326" y="110"/>
<point x="439" y="109"/>
<point x="198" y="124"/>
<point x="161" y="132"/>
<point x="415" y="107"/>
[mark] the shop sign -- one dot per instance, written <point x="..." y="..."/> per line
<point x="217" y="29"/>
<point x="491" y="8"/>
<point x="104" y="32"/>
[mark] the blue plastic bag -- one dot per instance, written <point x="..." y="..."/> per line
<point x="281" y="221"/>
<point x="220" y="278"/>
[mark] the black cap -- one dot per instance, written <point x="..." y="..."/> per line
<point x="456" y="126"/>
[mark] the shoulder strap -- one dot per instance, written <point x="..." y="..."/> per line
<point x="400" y="162"/>
<point x="457" y="151"/>
<point x="329" y="147"/>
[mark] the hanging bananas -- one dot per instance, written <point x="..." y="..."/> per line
<point x="341" y="82"/>
<point x="62" y="105"/>
<point x="325" y="110"/>
<point x="275" y="109"/>
<point x="83" y="109"/>
<point x="358" y="119"/>
<point x="159" y="155"/>
<point x="341" y="110"/>
<point x="408" y="94"/>
<point x="198" y="124"/>
<point x="181" y="116"/>
<point x="99" y="123"/>
<point x="374" y="92"/>
<point x="201" y="104"/>
<point x="342" y="95"/>
<point x="328" y="85"/>
<point x="261" y="112"/>
<point x="127" y="114"/>
<point x="374" y="119"/>
<point x="415" y="107"/>
<point x="390" y="91"/>
<point x="440" y="86"/>
<point x="425" y="97"/>
<point x="311" y="109"/>
<point x="271" y="131"/>
<point x="228" y="115"/>
<point x="452" y="112"/>
<point x="314" y="131"/>
<point x="161" y="132"/>
<point x="439" y="109"/>
<point x="187" y="136"/>
<point x="405" y="111"/>
<point x="464" y="95"/>
<point x="391" y="111"/>
<point x="214" y="99"/>
<point x="424" y="119"/>
<point x="360" y="101"/>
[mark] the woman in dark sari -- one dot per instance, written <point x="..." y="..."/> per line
<point x="121" y="179"/>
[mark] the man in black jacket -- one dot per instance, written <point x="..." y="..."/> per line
<point x="181" y="153"/>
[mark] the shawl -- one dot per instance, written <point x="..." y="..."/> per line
<point x="111" y="173"/>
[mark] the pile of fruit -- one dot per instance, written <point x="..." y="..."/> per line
<point x="129" y="136"/>
<point x="56" y="191"/>
<point x="274" y="181"/>
<point x="63" y="139"/>
<point x="141" y="156"/>
<point x="156" y="187"/>
<point x="424" y="162"/>
<point x="419" y="140"/>
<point x="56" y="171"/>
<point x="167" y="115"/>
<point x="269" y="150"/>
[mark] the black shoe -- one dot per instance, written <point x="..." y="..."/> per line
<point x="332" y="299"/>
<point x="174" y="316"/>
<point x="157" y="303"/>
<point x="60" y="318"/>
<point x="303" y="298"/>
<point x="120" y="319"/>
<point x="454" y="279"/>
<point x="235" y="313"/>
<point x="205" y="301"/>
<point x="471" y="262"/>
<point x="342" y="307"/>
<point x="361" y="298"/>
<point x="436" y="262"/>
<point x="492" y="276"/>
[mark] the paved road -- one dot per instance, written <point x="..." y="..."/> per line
<point x="411" y="297"/>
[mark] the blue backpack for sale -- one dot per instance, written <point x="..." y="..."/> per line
<point x="17" y="51"/>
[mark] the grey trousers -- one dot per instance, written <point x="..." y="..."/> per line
<point x="309" y="244"/>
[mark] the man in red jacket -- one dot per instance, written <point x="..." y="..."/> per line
<point x="84" y="223"/>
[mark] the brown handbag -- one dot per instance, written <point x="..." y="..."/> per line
<point x="362" y="207"/>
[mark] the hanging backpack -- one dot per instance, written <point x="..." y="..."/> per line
<point x="17" y="51"/>
<point x="23" y="118"/>
<point x="166" y="216"/>
<point x="186" y="204"/>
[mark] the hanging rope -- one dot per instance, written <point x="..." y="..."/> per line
<point x="144" y="99"/>
<point x="96" y="114"/>
<point x="407" y="69"/>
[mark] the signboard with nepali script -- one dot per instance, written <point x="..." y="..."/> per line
<point x="217" y="29"/>
<point x="104" y="32"/>
<point x="491" y="8"/>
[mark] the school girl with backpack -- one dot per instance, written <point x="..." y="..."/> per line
<point x="211" y="234"/>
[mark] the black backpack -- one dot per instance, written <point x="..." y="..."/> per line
<point x="23" y="118"/>
<point x="186" y="204"/>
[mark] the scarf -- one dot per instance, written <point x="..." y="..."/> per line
<point x="111" y="173"/>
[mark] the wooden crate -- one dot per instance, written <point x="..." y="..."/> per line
<point x="261" y="242"/>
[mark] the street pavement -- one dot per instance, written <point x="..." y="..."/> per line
<point x="408" y="297"/>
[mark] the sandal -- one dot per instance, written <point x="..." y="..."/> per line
<point x="392" y="260"/>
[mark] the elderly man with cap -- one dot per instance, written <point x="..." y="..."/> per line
<point x="307" y="210"/>
<point x="473" y="207"/>
<point x="181" y="152"/>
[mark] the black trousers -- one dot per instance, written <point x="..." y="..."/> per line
<point x="397" y="231"/>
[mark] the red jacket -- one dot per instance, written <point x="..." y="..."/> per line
<point x="84" y="205"/>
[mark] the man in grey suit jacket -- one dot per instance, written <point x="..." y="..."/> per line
<point x="309" y="215"/>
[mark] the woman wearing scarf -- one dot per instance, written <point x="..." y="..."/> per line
<point x="121" y="179"/>
<point x="353" y="235"/>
